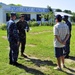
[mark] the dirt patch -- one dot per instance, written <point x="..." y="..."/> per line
<point x="40" y="32"/>
<point x="69" y="61"/>
<point x="31" y="45"/>
<point x="33" y="58"/>
<point x="70" y="70"/>
<point x="8" y="48"/>
<point x="44" y="68"/>
<point x="4" y="37"/>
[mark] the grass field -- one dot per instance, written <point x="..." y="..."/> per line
<point x="40" y="51"/>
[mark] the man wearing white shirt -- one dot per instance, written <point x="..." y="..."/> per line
<point x="61" y="33"/>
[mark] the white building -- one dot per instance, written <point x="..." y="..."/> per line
<point x="30" y="12"/>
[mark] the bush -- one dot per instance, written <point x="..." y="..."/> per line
<point x="42" y="24"/>
<point x="45" y="24"/>
<point x="33" y="19"/>
<point x="33" y="23"/>
<point x="3" y="26"/>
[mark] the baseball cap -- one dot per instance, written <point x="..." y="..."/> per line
<point x="65" y="17"/>
<point x="59" y="17"/>
<point x="22" y="15"/>
<point x="13" y="14"/>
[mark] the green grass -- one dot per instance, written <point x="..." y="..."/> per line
<point x="40" y="50"/>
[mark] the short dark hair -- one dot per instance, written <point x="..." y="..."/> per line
<point x="59" y="18"/>
<point x="13" y="14"/>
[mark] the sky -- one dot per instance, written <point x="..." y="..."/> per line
<point x="56" y="4"/>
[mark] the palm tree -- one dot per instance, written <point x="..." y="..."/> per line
<point x="50" y="15"/>
<point x="42" y="16"/>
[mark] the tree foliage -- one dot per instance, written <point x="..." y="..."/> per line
<point x="48" y="16"/>
<point x="17" y="14"/>
<point x="58" y="10"/>
<point x="15" y="4"/>
<point x="67" y="11"/>
<point x="73" y="17"/>
<point x="49" y="9"/>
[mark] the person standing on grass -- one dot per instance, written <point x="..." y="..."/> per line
<point x="61" y="33"/>
<point x="13" y="39"/>
<point x="22" y="27"/>
<point x="67" y="46"/>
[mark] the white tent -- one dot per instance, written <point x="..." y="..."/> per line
<point x="62" y="14"/>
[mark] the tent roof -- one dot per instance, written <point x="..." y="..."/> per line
<point x="62" y="14"/>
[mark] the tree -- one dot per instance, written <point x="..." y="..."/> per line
<point x="42" y="16"/>
<point x="18" y="5"/>
<point x="73" y="17"/>
<point x="15" y="4"/>
<point x="12" y="4"/>
<point x="49" y="9"/>
<point x="50" y="15"/>
<point x="17" y="14"/>
<point x="67" y="11"/>
<point x="58" y="10"/>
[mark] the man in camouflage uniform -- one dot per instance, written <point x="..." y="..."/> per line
<point x="67" y="47"/>
<point x="22" y="27"/>
<point x="13" y="39"/>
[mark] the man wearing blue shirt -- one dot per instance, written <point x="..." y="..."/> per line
<point x="13" y="39"/>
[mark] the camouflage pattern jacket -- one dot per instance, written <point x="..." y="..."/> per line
<point x="21" y="26"/>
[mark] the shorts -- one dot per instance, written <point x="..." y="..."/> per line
<point x="59" y="52"/>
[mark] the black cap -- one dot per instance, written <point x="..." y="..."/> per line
<point x="13" y="14"/>
<point x="65" y="17"/>
<point x="58" y="17"/>
<point x="22" y="15"/>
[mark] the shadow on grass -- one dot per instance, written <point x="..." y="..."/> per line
<point x="30" y="70"/>
<point x="69" y="71"/>
<point x="72" y="58"/>
<point x="39" y="62"/>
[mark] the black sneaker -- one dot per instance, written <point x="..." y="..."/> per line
<point x="11" y="63"/>
<point x="16" y="64"/>
<point x="23" y="55"/>
<point x="66" y="56"/>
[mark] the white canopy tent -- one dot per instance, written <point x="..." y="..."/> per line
<point x="62" y="14"/>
